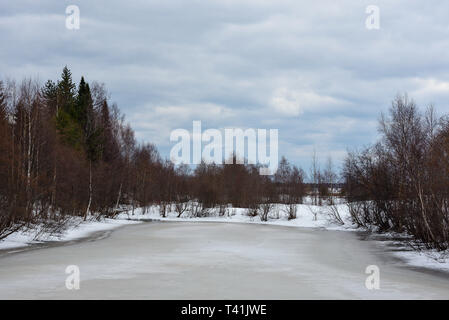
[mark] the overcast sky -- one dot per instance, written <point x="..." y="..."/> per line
<point x="308" y="68"/>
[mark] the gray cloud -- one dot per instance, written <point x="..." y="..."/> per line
<point x="312" y="70"/>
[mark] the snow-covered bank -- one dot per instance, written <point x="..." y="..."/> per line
<point x="425" y="258"/>
<point x="77" y="229"/>
<point x="308" y="216"/>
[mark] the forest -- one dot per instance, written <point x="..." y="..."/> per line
<point x="66" y="151"/>
<point x="401" y="183"/>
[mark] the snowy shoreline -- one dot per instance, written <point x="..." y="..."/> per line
<point x="78" y="230"/>
<point x="305" y="219"/>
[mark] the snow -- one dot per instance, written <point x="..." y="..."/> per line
<point x="78" y="229"/>
<point x="304" y="218"/>
<point x="426" y="258"/>
<point x="308" y="216"/>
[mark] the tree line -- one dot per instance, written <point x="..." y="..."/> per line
<point x="66" y="151"/>
<point x="401" y="183"/>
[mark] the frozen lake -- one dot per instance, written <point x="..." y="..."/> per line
<point x="182" y="260"/>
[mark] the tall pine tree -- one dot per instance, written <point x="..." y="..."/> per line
<point x="83" y="109"/>
<point x="66" y="91"/>
<point x="68" y="127"/>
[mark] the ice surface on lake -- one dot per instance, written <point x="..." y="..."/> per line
<point x="167" y="260"/>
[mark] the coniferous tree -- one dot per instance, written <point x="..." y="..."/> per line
<point x="82" y="110"/>
<point x="68" y="127"/>
<point x="66" y="91"/>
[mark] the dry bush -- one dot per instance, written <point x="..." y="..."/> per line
<point x="252" y="211"/>
<point x="181" y="207"/>
<point x="265" y="209"/>
<point x="164" y="209"/>
<point x="314" y="212"/>
<point x="291" y="210"/>
<point x="333" y="215"/>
